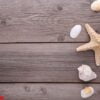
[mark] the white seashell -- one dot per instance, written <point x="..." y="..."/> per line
<point x="87" y="92"/>
<point x="95" y="6"/>
<point x="75" y="31"/>
<point x="86" y="73"/>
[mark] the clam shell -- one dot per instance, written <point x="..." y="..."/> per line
<point x="86" y="74"/>
<point x="87" y="92"/>
<point x="95" y="6"/>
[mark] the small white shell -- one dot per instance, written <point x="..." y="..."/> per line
<point x="87" y="92"/>
<point x="86" y="74"/>
<point x="75" y="31"/>
<point x="95" y="6"/>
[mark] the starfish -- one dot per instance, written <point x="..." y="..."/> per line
<point x="94" y="43"/>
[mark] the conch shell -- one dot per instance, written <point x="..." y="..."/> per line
<point x="95" y="6"/>
<point x="87" y="92"/>
<point x="86" y="74"/>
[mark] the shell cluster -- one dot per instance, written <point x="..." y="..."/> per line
<point x="86" y="74"/>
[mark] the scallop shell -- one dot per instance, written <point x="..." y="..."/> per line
<point x="95" y="6"/>
<point x="87" y="92"/>
<point x="75" y="31"/>
<point x="86" y="73"/>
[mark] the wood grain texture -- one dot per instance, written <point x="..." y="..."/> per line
<point x="43" y="62"/>
<point x="46" y="91"/>
<point x="45" y="20"/>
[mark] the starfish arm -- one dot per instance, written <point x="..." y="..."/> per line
<point x="90" y="31"/>
<point x="97" y="56"/>
<point x="86" y="46"/>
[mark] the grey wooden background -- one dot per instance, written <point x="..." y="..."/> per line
<point x="38" y="59"/>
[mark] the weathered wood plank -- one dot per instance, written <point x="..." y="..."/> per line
<point x="46" y="91"/>
<point x="44" y="20"/>
<point x="43" y="62"/>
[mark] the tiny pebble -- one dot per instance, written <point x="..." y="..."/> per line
<point x="75" y="31"/>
